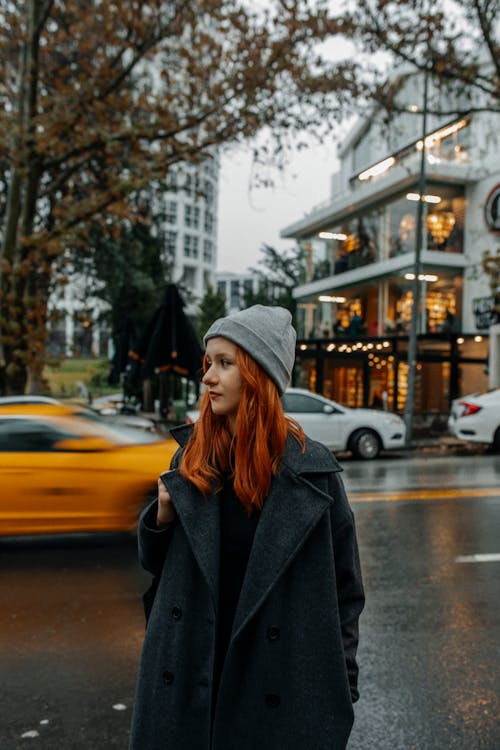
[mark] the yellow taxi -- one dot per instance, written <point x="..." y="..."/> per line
<point x="64" y="469"/>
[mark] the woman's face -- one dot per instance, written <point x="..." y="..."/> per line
<point x="223" y="378"/>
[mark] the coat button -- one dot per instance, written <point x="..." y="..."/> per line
<point x="273" y="633"/>
<point x="272" y="700"/>
<point x="168" y="677"/>
<point x="176" y="613"/>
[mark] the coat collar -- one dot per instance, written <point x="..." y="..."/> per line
<point x="316" y="459"/>
<point x="292" y="509"/>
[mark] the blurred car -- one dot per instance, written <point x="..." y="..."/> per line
<point x="65" y="469"/>
<point x="100" y="407"/>
<point x="476" y="418"/>
<point x="27" y="399"/>
<point x="364" y="432"/>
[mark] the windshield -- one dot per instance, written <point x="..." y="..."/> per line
<point x="119" y="433"/>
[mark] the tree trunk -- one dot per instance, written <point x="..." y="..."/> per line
<point x="23" y="297"/>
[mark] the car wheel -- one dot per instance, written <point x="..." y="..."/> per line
<point x="365" y="444"/>
<point x="495" y="446"/>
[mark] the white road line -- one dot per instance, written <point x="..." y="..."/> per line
<point x="492" y="557"/>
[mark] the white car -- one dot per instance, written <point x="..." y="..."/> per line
<point x="477" y="418"/>
<point x="364" y="432"/>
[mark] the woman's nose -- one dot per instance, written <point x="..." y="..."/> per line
<point x="209" y="376"/>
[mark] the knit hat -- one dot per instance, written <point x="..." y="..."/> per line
<point x="267" y="334"/>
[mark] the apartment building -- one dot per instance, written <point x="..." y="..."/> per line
<point x="190" y="227"/>
<point x="234" y="286"/>
<point x="189" y="208"/>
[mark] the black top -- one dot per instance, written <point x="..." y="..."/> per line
<point x="237" y="530"/>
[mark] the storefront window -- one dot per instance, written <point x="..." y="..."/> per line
<point x="444" y="220"/>
<point x="401" y="224"/>
<point x="344" y="382"/>
<point x="305" y="374"/>
<point x="389" y="230"/>
<point x="402" y="377"/>
<point x="354" y="244"/>
<point x="440" y="299"/>
<point x="471" y="379"/>
<point x="433" y="382"/>
<point x="381" y="383"/>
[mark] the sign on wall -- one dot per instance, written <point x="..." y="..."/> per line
<point x="492" y="210"/>
<point x="484" y="312"/>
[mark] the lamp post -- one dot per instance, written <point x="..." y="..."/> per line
<point x="412" y="339"/>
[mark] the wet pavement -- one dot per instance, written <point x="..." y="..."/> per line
<point x="429" y="636"/>
<point x="430" y="468"/>
<point x="72" y="624"/>
<point x="70" y="640"/>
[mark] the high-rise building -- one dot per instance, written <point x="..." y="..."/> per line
<point x="186" y="216"/>
<point x="190" y="227"/>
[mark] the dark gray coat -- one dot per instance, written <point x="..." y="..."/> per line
<point x="290" y="673"/>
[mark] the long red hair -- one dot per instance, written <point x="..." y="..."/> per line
<point x="253" y="453"/>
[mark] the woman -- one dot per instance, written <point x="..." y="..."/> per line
<point x="251" y="641"/>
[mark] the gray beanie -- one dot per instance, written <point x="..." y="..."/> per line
<point x="267" y="334"/>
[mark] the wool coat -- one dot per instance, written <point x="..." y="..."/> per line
<point x="290" y="674"/>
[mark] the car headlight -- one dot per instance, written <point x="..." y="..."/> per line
<point x="393" y="419"/>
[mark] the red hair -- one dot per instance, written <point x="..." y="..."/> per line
<point x="253" y="453"/>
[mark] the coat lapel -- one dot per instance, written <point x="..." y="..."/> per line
<point x="291" y="511"/>
<point x="295" y="504"/>
<point x="199" y="518"/>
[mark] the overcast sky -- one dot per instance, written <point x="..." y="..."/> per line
<point x="248" y="218"/>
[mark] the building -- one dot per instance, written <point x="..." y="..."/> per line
<point x="234" y="286"/>
<point x="188" y="211"/>
<point x="357" y="301"/>
<point x="190" y="227"/>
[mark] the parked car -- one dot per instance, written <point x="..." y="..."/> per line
<point x="65" y="469"/>
<point x="364" y="432"/>
<point x="476" y="418"/>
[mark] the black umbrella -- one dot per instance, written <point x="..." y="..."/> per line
<point x="169" y="342"/>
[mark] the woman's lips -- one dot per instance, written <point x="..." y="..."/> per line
<point x="213" y="394"/>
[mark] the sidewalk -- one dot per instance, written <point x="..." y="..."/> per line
<point x="444" y="444"/>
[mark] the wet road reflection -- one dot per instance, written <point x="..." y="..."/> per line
<point x="69" y="641"/>
<point x="429" y="635"/>
<point x="72" y="624"/>
<point x="421" y="471"/>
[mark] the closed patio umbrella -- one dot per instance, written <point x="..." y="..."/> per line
<point x="169" y="343"/>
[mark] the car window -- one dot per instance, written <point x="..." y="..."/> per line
<point x="29" y="435"/>
<point x="119" y="433"/>
<point x="300" y="403"/>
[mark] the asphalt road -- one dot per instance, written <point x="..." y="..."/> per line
<point x="71" y="621"/>
<point x="429" y="636"/>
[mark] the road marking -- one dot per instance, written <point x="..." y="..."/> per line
<point x="416" y="494"/>
<point x="491" y="557"/>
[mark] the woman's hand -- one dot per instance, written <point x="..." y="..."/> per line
<point x="166" y="511"/>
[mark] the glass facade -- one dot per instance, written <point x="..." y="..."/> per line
<point x="388" y="230"/>
<point x="374" y="372"/>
